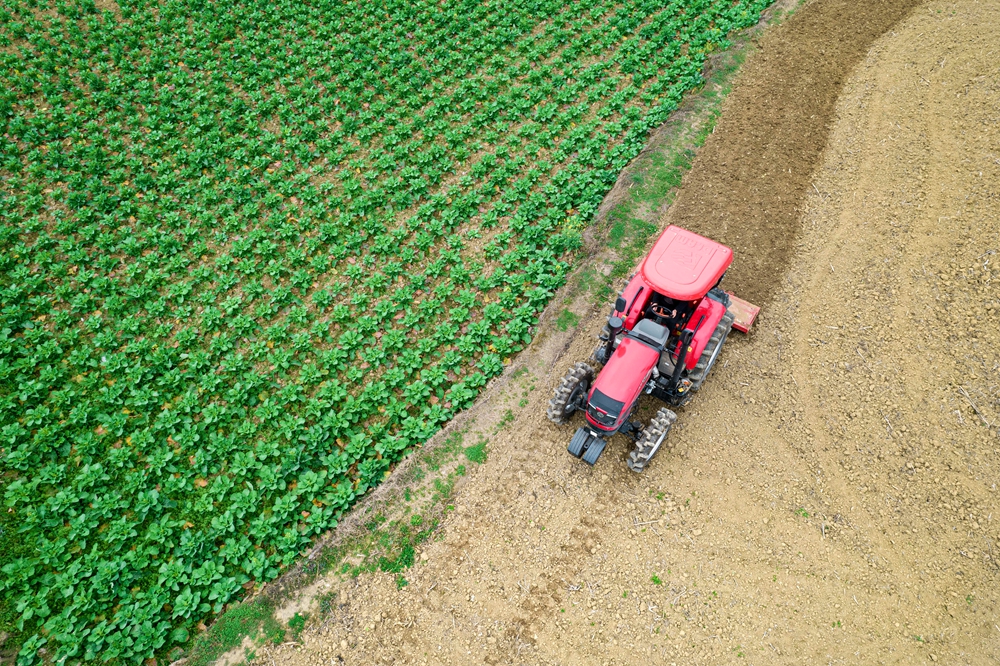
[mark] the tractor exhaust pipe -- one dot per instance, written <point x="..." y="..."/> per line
<point x="615" y="326"/>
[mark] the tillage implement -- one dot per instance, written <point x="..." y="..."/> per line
<point x="662" y="338"/>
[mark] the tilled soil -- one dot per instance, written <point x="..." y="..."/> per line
<point x="829" y="496"/>
<point x="750" y="179"/>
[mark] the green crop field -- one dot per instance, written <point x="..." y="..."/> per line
<point x="252" y="252"/>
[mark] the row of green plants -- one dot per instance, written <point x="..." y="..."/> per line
<point x="254" y="253"/>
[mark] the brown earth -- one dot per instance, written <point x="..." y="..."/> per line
<point x="829" y="496"/>
<point x="751" y="177"/>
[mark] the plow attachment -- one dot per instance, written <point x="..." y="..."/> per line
<point x="745" y="313"/>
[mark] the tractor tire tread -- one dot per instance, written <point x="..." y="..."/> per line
<point x="718" y="294"/>
<point x="560" y="408"/>
<point x="640" y="456"/>
<point x="710" y="354"/>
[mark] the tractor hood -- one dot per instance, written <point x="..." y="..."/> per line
<point x="620" y="383"/>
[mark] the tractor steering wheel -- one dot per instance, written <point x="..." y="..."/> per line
<point x="662" y="311"/>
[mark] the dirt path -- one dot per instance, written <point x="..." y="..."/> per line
<point x="830" y="497"/>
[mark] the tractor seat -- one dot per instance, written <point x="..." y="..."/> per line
<point x="648" y="331"/>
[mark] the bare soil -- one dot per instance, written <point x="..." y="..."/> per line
<point x="750" y="179"/>
<point x="830" y="495"/>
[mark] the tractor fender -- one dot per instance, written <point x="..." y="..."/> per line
<point x="712" y="311"/>
<point x="636" y="294"/>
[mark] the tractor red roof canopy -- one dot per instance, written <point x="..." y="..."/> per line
<point x="683" y="265"/>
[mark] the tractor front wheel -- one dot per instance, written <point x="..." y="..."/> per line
<point x="571" y="394"/>
<point x="651" y="440"/>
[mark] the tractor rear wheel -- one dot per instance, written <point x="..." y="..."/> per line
<point x="651" y="440"/>
<point x="571" y="394"/>
<point x="709" y="355"/>
<point x="718" y="294"/>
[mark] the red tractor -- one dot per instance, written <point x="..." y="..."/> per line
<point x="662" y="338"/>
